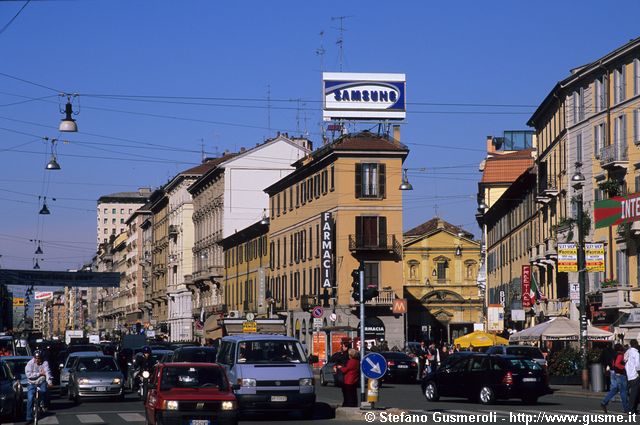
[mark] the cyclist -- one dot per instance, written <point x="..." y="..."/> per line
<point x="39" y="375"/>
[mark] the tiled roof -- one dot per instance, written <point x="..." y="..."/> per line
<point x="506" y="168"/>
<point x="208" y="165"/>
<point x="432" y="225"/>
<point x="366" y="141"/>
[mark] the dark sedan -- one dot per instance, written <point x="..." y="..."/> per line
<point x="486" y="378"/>
<point x="400" y="367"/>
<point x="194" y="355"/>
<point x="10" y="394"/>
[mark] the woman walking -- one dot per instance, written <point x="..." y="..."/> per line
<point x="618" y="380"/>
<point x="351" y="373"/>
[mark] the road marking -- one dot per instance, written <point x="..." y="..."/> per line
<point x="48" y="420"/>
<point x="132" y="417"/>
<point x="90" y="419"/>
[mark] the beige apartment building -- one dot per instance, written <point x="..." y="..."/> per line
<point x="159" y="207"/>
<point x="114" y="209"/>
<point x="356" y="179"/>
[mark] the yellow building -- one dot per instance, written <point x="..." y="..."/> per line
<point x="160" y="252"/>
<point x="246" y="263"/>
<point x="440" y="273"/>
<point x="355" y="178"/>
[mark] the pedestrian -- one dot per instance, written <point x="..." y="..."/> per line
<point x="351" y="372"/>
<point x="631" y="366"/>
<point x="606" y="358"/>
<point x="618" y="380"/>
<point x="444" y="354"/>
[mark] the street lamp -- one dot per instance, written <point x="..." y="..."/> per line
<point x="405" y="185"/>
<point x="577" y="181"/>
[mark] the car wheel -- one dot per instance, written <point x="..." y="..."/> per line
<point x="323" y="381"/>
<point x="431" y="392"/>
<point x="486" y="395"/>
<point x="530" y="399"/>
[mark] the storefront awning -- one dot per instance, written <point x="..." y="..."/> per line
<point x="632" y="333"/>
<point x="212" y="330"/>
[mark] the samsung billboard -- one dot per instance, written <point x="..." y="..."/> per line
<point x="368" y="96"/>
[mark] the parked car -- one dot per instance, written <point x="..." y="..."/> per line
<point x="17" y="365"/>
<point x="67" y="365"/>
<point x="400" y="367"/>
<point x="193" y="354"/>
<point x="190" y="393"/>
<point x="519" y="350"/>
<point x="273" y="373"/>
<point x="95" y="375"/>
<point x="178" y="344"/>
<point x="7" y="342"/>
<point x="11" y="405"/>
<point x="486" y="378"/>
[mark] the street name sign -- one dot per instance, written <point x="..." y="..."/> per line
<point x="374" y="366"/>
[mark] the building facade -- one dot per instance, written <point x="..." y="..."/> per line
<point x="355" y="178"/>
<point x="114" y="209"/>
<point x="441" y="263"/>
<point x="159" y="207"/>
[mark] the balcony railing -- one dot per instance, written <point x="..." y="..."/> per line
<point x="173" y="230"/>
<point x="385" y="298"/>
<point x="387" y="243"/>
<point x="614" y="155"/>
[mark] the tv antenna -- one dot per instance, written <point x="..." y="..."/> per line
<point x="340" y="41"/>
<point x="320" y="51"/>
<point x="269" y="109"/>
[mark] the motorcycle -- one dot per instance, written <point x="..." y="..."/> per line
<point x="142" y="387"/>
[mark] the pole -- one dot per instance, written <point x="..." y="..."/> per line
<point x="362" y="387"/>
<point x="485" y="307"/>
<point x="583" y="298"/>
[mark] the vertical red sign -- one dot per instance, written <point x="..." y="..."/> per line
<point x="526" y="287"/>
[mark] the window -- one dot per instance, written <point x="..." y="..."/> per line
<point x="599" y="139"/>
<point x="113" y="221"/>
<point x="121" y="210"/>
<point x="441" y="270"/>
<point x="106" y="232"/>
<point x="636" y="126"/>
<point x="290" y="249"/>
<point x="113" y="211"/>
<point x="581" y="104"/>
<point x="636" y="77"/>
<point x="272" y="209"/>
<point x="310" y="189"/>
<point x="291" y="198"/>
<point x="371" y="232"/>
<point x="325" y="182"/>
<point x="619" y="84"/>
<point x="579" y="147"/>
<point x="284" y="252"/>
<point x="284" y="202"/>
<point x="372" y="275"/>
<point x="370" y="180"/>
<point x="619" y="133"/>
<point x="332" y="186"/>
<point x="106" y="211"/>
<point x="310" y="243"/>
<point x="278" y="205"/>
<point x="122" y="221"/>
<point x="105" y="221"/>
<point x="278" y="254"/>
<point x="316" y="186"/>
<point x="130" y="210"/>
<point x="600" y="94"/>
<point x="622" y="267"/>
<point x="297" y="195"/>
<point x="317" y="240"/>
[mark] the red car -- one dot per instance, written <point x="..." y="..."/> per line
<point x="190" y="394"/>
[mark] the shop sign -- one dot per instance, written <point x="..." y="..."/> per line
<point x="249" y="327"/>
<point x="373" y="328"/>
<point x="495" y="314"/>
<point x="617" y="210"/>
<point x="567" y="257"/>
<point x="594" y="257"/>
<point x="326" y="249"/>
<point x="526" y="287"/>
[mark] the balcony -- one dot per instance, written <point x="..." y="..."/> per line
<point x="386" y="244"/>
<point x="614" y="156"/>
<point x="550" y="251"/>
<point x="173" y="230"/>
<point x="385" y="298"/>
<point x="551" y="188"/>
<point x="616" y="296"/>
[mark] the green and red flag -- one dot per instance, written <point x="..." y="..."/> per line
<point x="617" y="210"/>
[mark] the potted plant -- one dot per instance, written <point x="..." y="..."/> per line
<point x="564" y="366"/>
<point x="609" y="283"/>
<point x="612" y="187"/>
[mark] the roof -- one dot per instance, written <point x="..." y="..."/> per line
<point x="349" y="143"/>
<point x="434" y="224"/>
<point x="246" y="234"/>
<point x="199" y="170"/>
<point x="141" y="196"/>
<point x="506" y="168"/>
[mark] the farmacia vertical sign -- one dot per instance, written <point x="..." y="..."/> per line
<point x="326" y="249"/>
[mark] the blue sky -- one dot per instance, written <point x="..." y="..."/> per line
<point x="482" y="53"/>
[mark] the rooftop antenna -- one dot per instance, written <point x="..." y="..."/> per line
<point x="204" y="156"/>
<point x="320" y="51"/>
<point x="269" y="109"/>
<point x="340" y="41"/>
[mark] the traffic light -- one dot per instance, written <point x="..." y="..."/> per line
<point x="355" y="274"/>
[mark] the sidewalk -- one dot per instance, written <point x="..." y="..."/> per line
<point x="575" y="391"/>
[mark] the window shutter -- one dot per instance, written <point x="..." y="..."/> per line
<point x="382" y="180"/>
<point x="382" y="231"/>
<point x="359" y="231"/>
<point x="358" y="180"/>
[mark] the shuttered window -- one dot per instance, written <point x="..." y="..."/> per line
<point x="370" y="180"/>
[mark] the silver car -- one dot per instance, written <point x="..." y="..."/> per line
<point x="95" y="375"/>
<point x="64" y="368"/>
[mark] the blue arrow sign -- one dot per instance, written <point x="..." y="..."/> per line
<point x="374" y="366"/>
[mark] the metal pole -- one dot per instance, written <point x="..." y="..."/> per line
<point x="485" y="307"/>
<point x="583" y="298"/>
<point x="362" y="387"/>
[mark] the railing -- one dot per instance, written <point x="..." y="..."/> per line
<point x="613" y="153"/>
<point x="385" y="297"/>
<point x="387" y="243"/>
<point x="173" y="230"/>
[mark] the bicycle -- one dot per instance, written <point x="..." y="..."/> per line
<point x="38" y="406"/>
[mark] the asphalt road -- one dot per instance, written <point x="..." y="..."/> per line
<point x="130" y="411"/>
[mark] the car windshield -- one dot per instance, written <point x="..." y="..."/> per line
<point x="524" y="364"/>
<point x="199" y="355"/>
<point x="156" y="357"/>
<point x="268" y="351"/>
<point x="76" y="348"/>
<point x="191" y="377"/>
<point x="17" y="366"/>
<point x="6" y="345"/>
<point x="96" y="364"/>
<point x="525" y="351"/>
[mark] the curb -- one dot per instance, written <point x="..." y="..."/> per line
<point x="579" y="394"/>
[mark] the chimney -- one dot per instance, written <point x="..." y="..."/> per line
<point x="396" y="134"/>
<point x="491" y="148"/>
<point x="440" y="223"/>
<point x="144" y="191"/>
<point x="242" y="149"/>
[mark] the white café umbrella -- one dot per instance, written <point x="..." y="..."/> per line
<point x="559" y="329"/>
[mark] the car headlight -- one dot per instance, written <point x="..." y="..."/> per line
<point x="83" y="381"/>
<point x="306" y="382"/>
<point x="170" y="405"/>
<point x="228" y="405"/>
<point x="247" y="382"/>
<point x="116" y="381"/>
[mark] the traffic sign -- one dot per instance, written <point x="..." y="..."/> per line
<point x="333" y="317"/>
<point x="250" y="317"/>
<point x="317" y="311"/>
<point x="374" y="366"/>
<point x="317" y="322"/>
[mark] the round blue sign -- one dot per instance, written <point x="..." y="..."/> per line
<point x="374" y="366"/>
